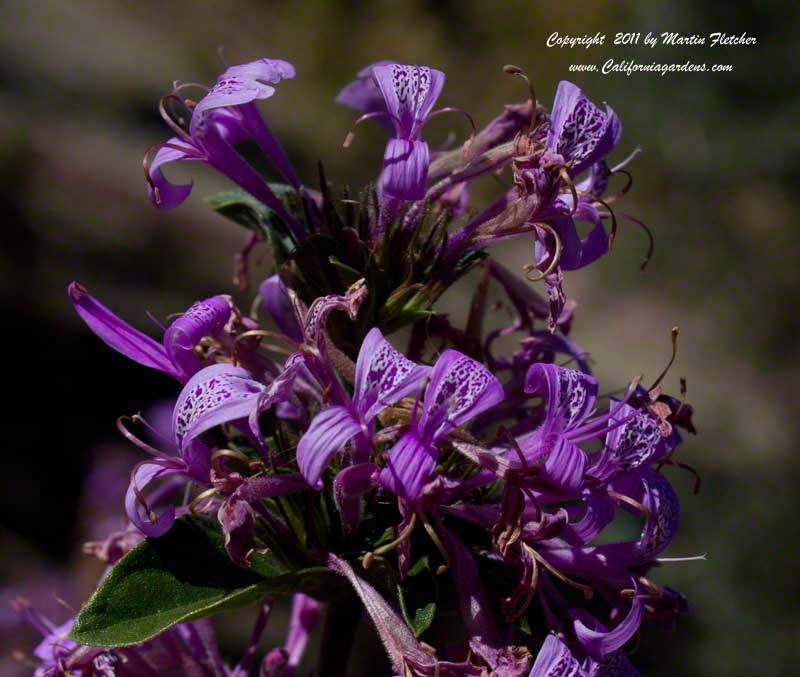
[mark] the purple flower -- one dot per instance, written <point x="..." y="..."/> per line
<point x="215" y="395"/>
<point x="383" y="377"/>
<point x="409" y="94"/>
<point x="460" y="388"/>
<point x="275" y="300"/>
<point x="580" y="132"/>
<point x="556" y="660"/>
<point x="225" y="117"/>
<point x="176" y="356"/>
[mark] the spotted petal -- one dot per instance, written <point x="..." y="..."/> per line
<point x="410" y="93"/>
<point x="460" y="389"/>
<point x="570" y="395"/>
<point x="383" y="375"/>
<point x="556" y="660"/>
<point x="215" y="395"/>
<point x="204" y="318"/>
<point x="579" y="130"/>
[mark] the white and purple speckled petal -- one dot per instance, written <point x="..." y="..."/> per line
<point x="383" y="375"/>
<point x="570" y="395"/>
<point x="556" y="660"/>
<point x="460" y="388"/>
<point x="203" y="318"/>
<point x="410" y="93"/>
<point x="269" y="71"/>
<point x="215" y="395"/>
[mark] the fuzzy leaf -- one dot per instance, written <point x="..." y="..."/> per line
<point x="183" y="576"/>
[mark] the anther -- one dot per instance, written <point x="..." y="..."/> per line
<point x="511" y="69"/>
<point x="674" y="337"/>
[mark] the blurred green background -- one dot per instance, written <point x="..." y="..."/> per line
<point x="79" y="86"/>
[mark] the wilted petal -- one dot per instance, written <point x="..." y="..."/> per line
<point x="409" y="466"/>
<point x="397" y="638"/>
<point x="405" y="169"/>
<point x="275" y="300"/>
<point x="330" y="430"/>
<point x="570" y="394"/>
<point x="383" y="375"/>
<point x="579" y="130"/>
<point x="460" y="388"/>
<point x="204" y="318"/>
<point x="238" y="525"/>
<point x="410" y="93"/>
<point x="556" y="660"/>
<point x="118" y="334"/>
<point x="318" y="311"/>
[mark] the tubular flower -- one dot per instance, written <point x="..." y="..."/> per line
<point x="302" y="451"/>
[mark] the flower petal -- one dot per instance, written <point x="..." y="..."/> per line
<point x="363" y="93"/>
<point x="570" y="394"/>
<point x="556" y="660"/>
<point x="383" y="375"/>
<point x="579" y="130"/>
<point x="410" y="93"/>
<point x="163" y="193"/>
<point x="118" y="334"/>
<point x="405" y="169"/>
<point x="330" y="430"/>
<point x="599" y="641"/>
<point x="565" y="465"/>
<point x="265" y="70"/>
<point x="204" y="318"/>
<point x="349" y="486"/>
<point x="275" y="300"/>
<point x="460" y="388"/>
<point x="142" y="476"/>
<point x="409" y="466"/>
<point x="215" y="395"/>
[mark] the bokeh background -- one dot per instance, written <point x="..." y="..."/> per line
<point x="79" y="83"/>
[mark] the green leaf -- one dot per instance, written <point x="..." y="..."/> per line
<point x="183" y="576"/>
<point x="423" y="587"/>
<point x="241" y="207"/>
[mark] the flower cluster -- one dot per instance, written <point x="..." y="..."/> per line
<point x="307" y="454"/>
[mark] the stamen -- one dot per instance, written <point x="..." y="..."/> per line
<point x="531" y="588"/>
<point x="194" y="506"/>
<point x="674" y="335"/>
<point x="171" y="123"/>
<point x="651" y="240"/>
<point x="437" y="542"/>
<point x="369" y="116"/>
<point x="587" y="591"/>
<point x="613" y="234"/>
<point x="135" y="440"/>
<point x="456" y="109"/>
<point x="633" y="503"/>
<point x="505" y="432"/>
<point x="146" y="164"/>
<point x="556" y="255"/>
<point x="695" y="558"/>
<point x="293" y="345"/>
<point x="687" y="468"/>
<point x="140" y="499"/>
<point x="227" y="453"/>
<point x="511" y="69"/>
<point x="402" y="536"/>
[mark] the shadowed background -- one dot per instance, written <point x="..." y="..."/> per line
<point x="79" y="87"/>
